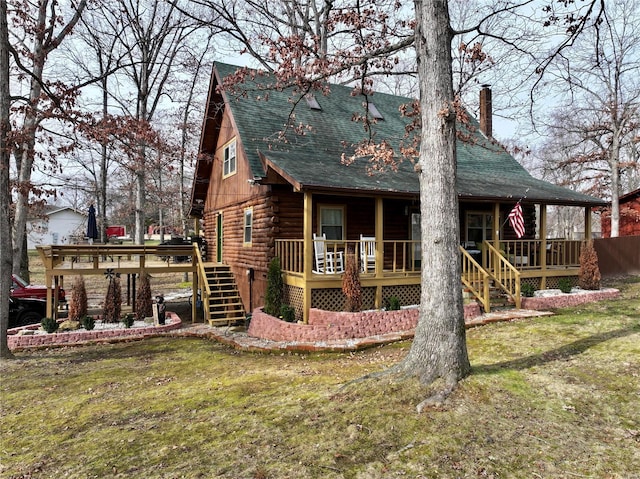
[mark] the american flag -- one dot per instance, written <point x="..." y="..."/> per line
<point x="517" y="221"/>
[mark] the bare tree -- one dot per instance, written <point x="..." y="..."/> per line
<point x="599" y="118"/>
<point x="6" y="249"/>
<point x="41" y="29"/>
<point x="360" y="40"/>
<point x="154" y="36"/>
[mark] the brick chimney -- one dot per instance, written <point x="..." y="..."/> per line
<point x="486" y="114"/>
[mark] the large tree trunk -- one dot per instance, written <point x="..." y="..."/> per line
<point x="6" y="249"/>
<point x="439" y="347"/>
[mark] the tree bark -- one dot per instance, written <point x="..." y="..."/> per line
<point x="439" y="346"/>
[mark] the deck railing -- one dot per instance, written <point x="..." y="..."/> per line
<point x="397" y="256"/>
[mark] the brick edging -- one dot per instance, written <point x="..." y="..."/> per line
<point x="18" y="342"/>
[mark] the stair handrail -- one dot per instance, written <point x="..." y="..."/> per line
<point x="474" y="277"/>
<point x="202" y="282"/>
<point x="503" y="273"/>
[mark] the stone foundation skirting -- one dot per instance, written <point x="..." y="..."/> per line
<point x="333" y="325"/>
<point x="17" y="341"/>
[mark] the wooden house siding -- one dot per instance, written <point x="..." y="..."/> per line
<point x="629" y="224"/>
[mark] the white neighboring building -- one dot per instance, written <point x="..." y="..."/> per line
<point x="58" y="225"/>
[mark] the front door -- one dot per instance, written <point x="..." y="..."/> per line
<point x="219" y="239"/>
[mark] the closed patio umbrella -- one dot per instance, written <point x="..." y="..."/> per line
<point x="92" y="226"/>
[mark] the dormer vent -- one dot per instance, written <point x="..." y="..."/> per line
<point x="312" y="102"/>
<point x="374" y="112"/>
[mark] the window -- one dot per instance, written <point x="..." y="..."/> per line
<point x="479" y="227"/>
<point x="229" y="163"/>
<point x="248" y="226"/>
<point x="332" y="222"/>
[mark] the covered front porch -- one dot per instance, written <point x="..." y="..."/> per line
<point x="313" y="265"/>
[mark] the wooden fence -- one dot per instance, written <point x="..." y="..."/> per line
<point x="618" y="256"/>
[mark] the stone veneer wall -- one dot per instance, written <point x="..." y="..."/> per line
<point x="333" y="325"/>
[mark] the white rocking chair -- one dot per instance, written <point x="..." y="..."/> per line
<point x="327" y="262"/>
<point x="367" y="253"/>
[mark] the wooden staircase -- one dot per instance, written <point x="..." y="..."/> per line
<point x="225" y="305"/>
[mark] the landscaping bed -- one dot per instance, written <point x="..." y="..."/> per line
<point x="31" y="337"/>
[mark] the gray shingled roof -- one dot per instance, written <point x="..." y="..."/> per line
<point x="485" y="170"/>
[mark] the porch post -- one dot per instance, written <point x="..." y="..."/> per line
<point x="587" y="223"/>
<point x="379" y="250"/>
<point x="543" y="245"/>
<point x="307" y="262"/>
<point x="496" y="236"/>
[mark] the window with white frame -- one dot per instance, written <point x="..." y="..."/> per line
<point x="248" y="226"/>
<point x="332" y="222"/>
<point x="229" y="162"/>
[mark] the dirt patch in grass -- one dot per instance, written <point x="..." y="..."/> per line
<point x="553" y="397"/>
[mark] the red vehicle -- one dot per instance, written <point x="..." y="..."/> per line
<point x="21" y="289"/>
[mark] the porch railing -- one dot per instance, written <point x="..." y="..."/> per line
<point x="503" y="273"/>
<point x="398" y="256"/>
<point x="476" y="279"/>
<point x="529" y="254"/>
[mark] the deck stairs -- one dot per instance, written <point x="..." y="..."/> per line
<point x="225" y="305"/>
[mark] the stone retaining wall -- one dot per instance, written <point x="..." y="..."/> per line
<point x="17" y="341"/>
<point x="567" y="300"/>
<point x="332" y="325"/>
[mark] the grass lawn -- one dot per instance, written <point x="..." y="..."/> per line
<point x="553" y="397"/>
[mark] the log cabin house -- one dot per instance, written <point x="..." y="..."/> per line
<point x="263" y="190"/>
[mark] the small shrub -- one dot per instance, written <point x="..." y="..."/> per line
<point x="527" y="290"/>
<point x="50" y="325"/>
<point x="128" y="320"/>
<point x="88" y="322"/>
<point x="394" y="303"/>
<point x="275" y="288"/>
<point x="288" y="313"/>
<point x="565" y="285"/>
<point x="589" y="275"/>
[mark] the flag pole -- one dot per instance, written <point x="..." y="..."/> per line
<point x="517" y="203"/>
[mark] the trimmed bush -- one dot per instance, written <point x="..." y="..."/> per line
<point x="351" y="286"/>
<point x="287" y="313"/>
<point x="565" y="285"/>
<point x="113" y="301"/>
<point x="144" y="303"/>
<point x="78" y="304"/>
<point x="88" y="322"/>
<point x="128" y="320"/>
<point x="275" y="288"/>
<point x="50" y="325"/>
<point x="527" y="290"/>
<point x="589" y="275"/>
<point x="394" y="304"/>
